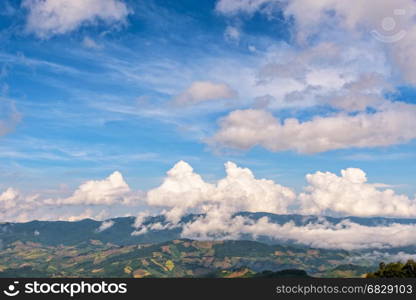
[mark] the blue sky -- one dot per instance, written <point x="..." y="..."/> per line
<point x="100" y="97"/>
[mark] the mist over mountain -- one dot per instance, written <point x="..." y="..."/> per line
<point x="112" y="248"/>
<point x="121" y="231"/>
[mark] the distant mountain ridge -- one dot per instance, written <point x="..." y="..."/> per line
<point x="56" y="233"/>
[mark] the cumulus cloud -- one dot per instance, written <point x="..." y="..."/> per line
<point x="53" y="17"/>
<point x="243" y="129"/>
<point x="351" y="15"/>
<point x="94" y="199"/>
<point x="111" y="190"/>
<point x="202" y="91"/>
<point x="351" y="194"/>
<point x="18" y="207"/>
<point x="183" y="191"/>
<point x="14" y="206"/>
<point x="105" y="225"/>
<point x="216" y="206"/>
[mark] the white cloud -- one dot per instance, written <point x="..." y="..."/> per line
<point x="232" y="34"/>
<point x="105" y="225"/>
<point x="9" y="198"/>
<point x="183" y="191"/>
<point x="243" y="129"/>
<point x="90" y="43"/>
<point x="9" y="116"/>
<point x="138" y="223"/>
<point x="403" y="53"/>
<point x="367" y="91"/>
<point x="85" y="214"/>
<point x="202" y="91"/>
<point x="111" y="190"/>
<point x="345" y="235"/>
<point x="18" y="207"/>
<point x="351" y="194"/>
<point x="95" y="199"/>
<point x="252" y="48"/>
<point x="53" y="17"/>
<point x="14" y="206"/>
<point x="351" y="15"/>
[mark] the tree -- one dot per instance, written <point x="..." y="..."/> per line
<point x="395" y="270"/>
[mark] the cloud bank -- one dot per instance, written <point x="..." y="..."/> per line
<point x="243" y="129"/>
<point x="184" y="192"/>
<point x="345" y="235"/>
<point x="216" y="204"/>
<point x="95" y="199"/>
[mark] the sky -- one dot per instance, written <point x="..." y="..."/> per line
<point x="118" y="107"/>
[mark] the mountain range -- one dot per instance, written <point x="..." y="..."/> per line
<point x="54" y="233"/>
<point x="84" y="249"/>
